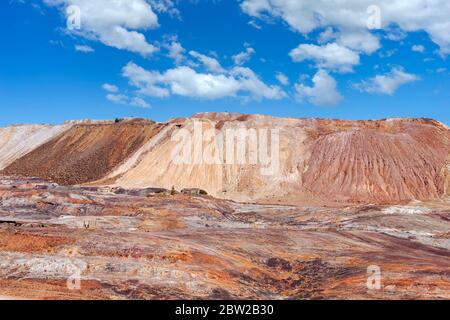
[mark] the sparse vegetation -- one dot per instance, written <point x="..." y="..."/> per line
<point x="194" y="192"/>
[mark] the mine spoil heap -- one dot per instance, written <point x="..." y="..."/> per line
<point x="320" y="161"/>
<point x="84" y="152"/>
<point x="105" y="201"/>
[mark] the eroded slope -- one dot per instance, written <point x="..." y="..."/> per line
<point x="86" y="152"/>
<point x="320" y="161"/>
<point x="316" y="161"/>
<point x="366" y="165"/>
<point x="17" y="141"/>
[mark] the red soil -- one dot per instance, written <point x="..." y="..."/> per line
<point x="84" y="153"/>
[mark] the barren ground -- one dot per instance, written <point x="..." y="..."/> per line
<point x="141" y="245"/>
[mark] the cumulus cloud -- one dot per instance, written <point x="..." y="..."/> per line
<point x="243" y="57"/>
<point x="323" y="92"/>
<point x="361" y="41"/>
<point x="418" y="48"/>
<point x="116" y="97"/>
<point x="165" y="6"/>
<point x="282" y="78"/>
<point x="126" y="100"/>
<point x="395" y="35"/>
<point x="387" y="83"/>
<point x="327" y="35"/>
<point x="350" y="18"/>
<point x="186" y="82"/>
<point x="249" y="82"/>
<point x="83" y="48"/>
<point x="114" y="23"/>
<point x="139" y="102"/>
<point x="176" y="52"/>
<point x="110" y="88"/>
<point x="210" y="63"/>
<point x="330" y="56"/>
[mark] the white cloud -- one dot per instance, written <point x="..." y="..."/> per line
<point x="210" y="63"/>
<point x="114" y="23"/>
<point x="361" y="41"/>
<point x="186" y="82"/>
<point x="249" y="82"/>
<point x="418" y="48"/>
<point x="396" y="35"/>
<point x="323" y="92"/>
<point x="83" y="48"/>
<point x="243" y="57"/>
<point x="182" y="81"/>
<point x="126" y="100"/>
<point x="350" y="16"/>
<point x="387" y="83"/>
<point x="117" y="98"/>
<point x="165" y="6"/>
<point x="331" y="56"/>
<point x="282" y="78"/>
<point x="139" y="102"/>
<point x="388" y="53"/>
<point x="254" y="24"/>
<point x="327" y="35"/>
<point x="176" y="52"/>
<point x="110" y="88"/>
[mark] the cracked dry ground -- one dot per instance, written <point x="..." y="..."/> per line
<point x="150" y="246"/>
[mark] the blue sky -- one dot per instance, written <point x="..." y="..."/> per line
<point x="122" y="61"/>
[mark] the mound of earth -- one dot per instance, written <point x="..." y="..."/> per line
<point x="367" y="165"/>
<point x="311" y="161"/>
<point x="86" y="152"/>
<point x="320" y="161"/>
<point x="17" y="141"/>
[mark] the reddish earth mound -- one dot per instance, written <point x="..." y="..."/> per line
<point x="321" y="161"/>
<point x="366" y="165"/>
<point x="84" y="153"/>
<point x="317" y="161"/>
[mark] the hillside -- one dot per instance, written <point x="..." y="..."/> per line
<point x="320" y="161"/>
<point x="17" y="141"/>
<point x="338" y="204"/>
<point x="83" y="153"/>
